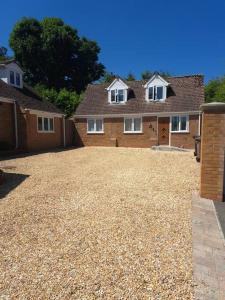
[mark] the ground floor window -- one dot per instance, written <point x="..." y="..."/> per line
<point x="45" y="124"/>
<point x="179" y="124"/>
<point x="132" y="125"/>
<point x="95" y="126"/>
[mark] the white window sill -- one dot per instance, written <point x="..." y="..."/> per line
<point x="45" y="131"/>
<point x="132" y="132"/>
<point x="156" y="101"/>
<point x="95" y="132"/>
<point x="117" y="103"/>
<point x="184" y="131"/>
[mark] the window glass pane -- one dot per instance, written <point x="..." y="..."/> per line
<point x="137" y="124"/>
<point x="40" y="124"/>
<point x="99" y="125"/>
<point x="91" y="125"/>
<point x="159" y="93"/>
<point x="150" y="93"/>
<point x="113" y="96"/>
<point x="175" y="123"/>
<point x="45" y="124"/>
<point x="128" y="124"/>
<point x="18" y="79"/>
<point x="120" y="95"/>
<point x="12" y="80"/>
<point x="183" y="123"/>
<point x="51" y="124"/>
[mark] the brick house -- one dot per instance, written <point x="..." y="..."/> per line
<point x="160" y="111"/>
<point x="26" y="121"/>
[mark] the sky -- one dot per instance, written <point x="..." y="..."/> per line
<point x="180" y="37"/>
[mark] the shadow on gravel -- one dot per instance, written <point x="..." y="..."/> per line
<point x="11" y="181"/>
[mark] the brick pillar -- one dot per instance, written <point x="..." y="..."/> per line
<point x="213" y="151"/>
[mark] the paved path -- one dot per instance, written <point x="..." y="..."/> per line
<point x="208" y="251"/>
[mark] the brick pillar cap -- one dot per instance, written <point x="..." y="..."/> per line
<point x="218" y="107"/>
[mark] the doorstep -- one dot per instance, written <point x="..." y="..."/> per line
<point x="208" y="251"/>
<point x="170" y="148"/>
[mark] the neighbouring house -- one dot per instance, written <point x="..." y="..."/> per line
<point x="160" y="111"/>
<point x="27" y="122"/>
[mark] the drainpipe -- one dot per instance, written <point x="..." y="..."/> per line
<point x="199" y="124"/>
<point x="64" y="131"/>
<point x="170" y="133"/>
<point x="16" y="126"/>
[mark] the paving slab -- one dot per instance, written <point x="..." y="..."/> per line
<point x="220" y="211"/>
<point x="208" y="250"/>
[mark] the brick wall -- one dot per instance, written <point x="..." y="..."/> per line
<point x="212" y="151"/>
<point x="114" y="130"/>
<point x="7" y="127"/>
<point x="41" y="141"/>
<point x="185" y="140"/>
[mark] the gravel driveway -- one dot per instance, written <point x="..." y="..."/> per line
<point x="98" y="223"/>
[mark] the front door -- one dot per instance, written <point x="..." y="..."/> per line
<point x="163" y="130"/>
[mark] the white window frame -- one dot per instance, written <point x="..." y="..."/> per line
<point x="132" y="131"/>
<point x="179" y="124"/>
<point x="95" y="132"/>
<point x="14" y="76"/>
<point x="154" y="87"/>
<point x="43" y="130"/>
<point x="117" y="96"/>
<point x="11" y="71"/>
<point x="19" y="76"/>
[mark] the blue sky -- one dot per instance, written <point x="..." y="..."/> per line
<point x="182" y="37"/>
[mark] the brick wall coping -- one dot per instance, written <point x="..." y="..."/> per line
<point x="218" y="107"/>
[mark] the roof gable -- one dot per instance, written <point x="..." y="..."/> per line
<point x="156" y="79"/>
<point x="117" y="84"/>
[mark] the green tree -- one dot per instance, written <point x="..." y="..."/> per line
<point x="130" y="77"/>
<point x="65" y="100"/>
<point x="107" y="77"/>
<point x="52" y="54"/>
<point x="3" y="54"/>
<point x="146" y="75"/>
<point x="215" y="90"/>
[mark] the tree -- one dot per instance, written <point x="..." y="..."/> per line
<point x="3" y="54"/>
<point x="146" y="75"/>
<point x="66" y="100"/>
<point x="52" y="54"/>
<point x="130" y="77"/>
<point x="107" y="77"/>
<point x="215" y="90"/>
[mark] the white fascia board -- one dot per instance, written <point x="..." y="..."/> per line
<point x="44" y="113"/>
<point x="2" y="99"/>
<point x="114" y="81"/>
<point x="159" y="114"/>
<point x="156" y="77"/>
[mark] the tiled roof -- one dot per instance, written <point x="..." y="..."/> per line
<point x="26" y="98"/>
<point x="184" y="93"/>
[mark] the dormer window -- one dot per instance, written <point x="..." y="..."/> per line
<point x="17" y="79"/>
<point x="156" y="89"/>
<point x="117" y="96"/>
<point x="117" y="92"/>
<point x="11" y="73"/>
<point x="12" y="77"/>
<point x="156" y="93"/>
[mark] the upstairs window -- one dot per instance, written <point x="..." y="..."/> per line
<point x="156" y="93"/>
<point x="180" y="124"/>
<point x="95" y="126"/>
<point x="17" y="79"/>
<point x="12" y="77"/>
<point x="117" y="96"/>
<point x="45" y="124"/>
